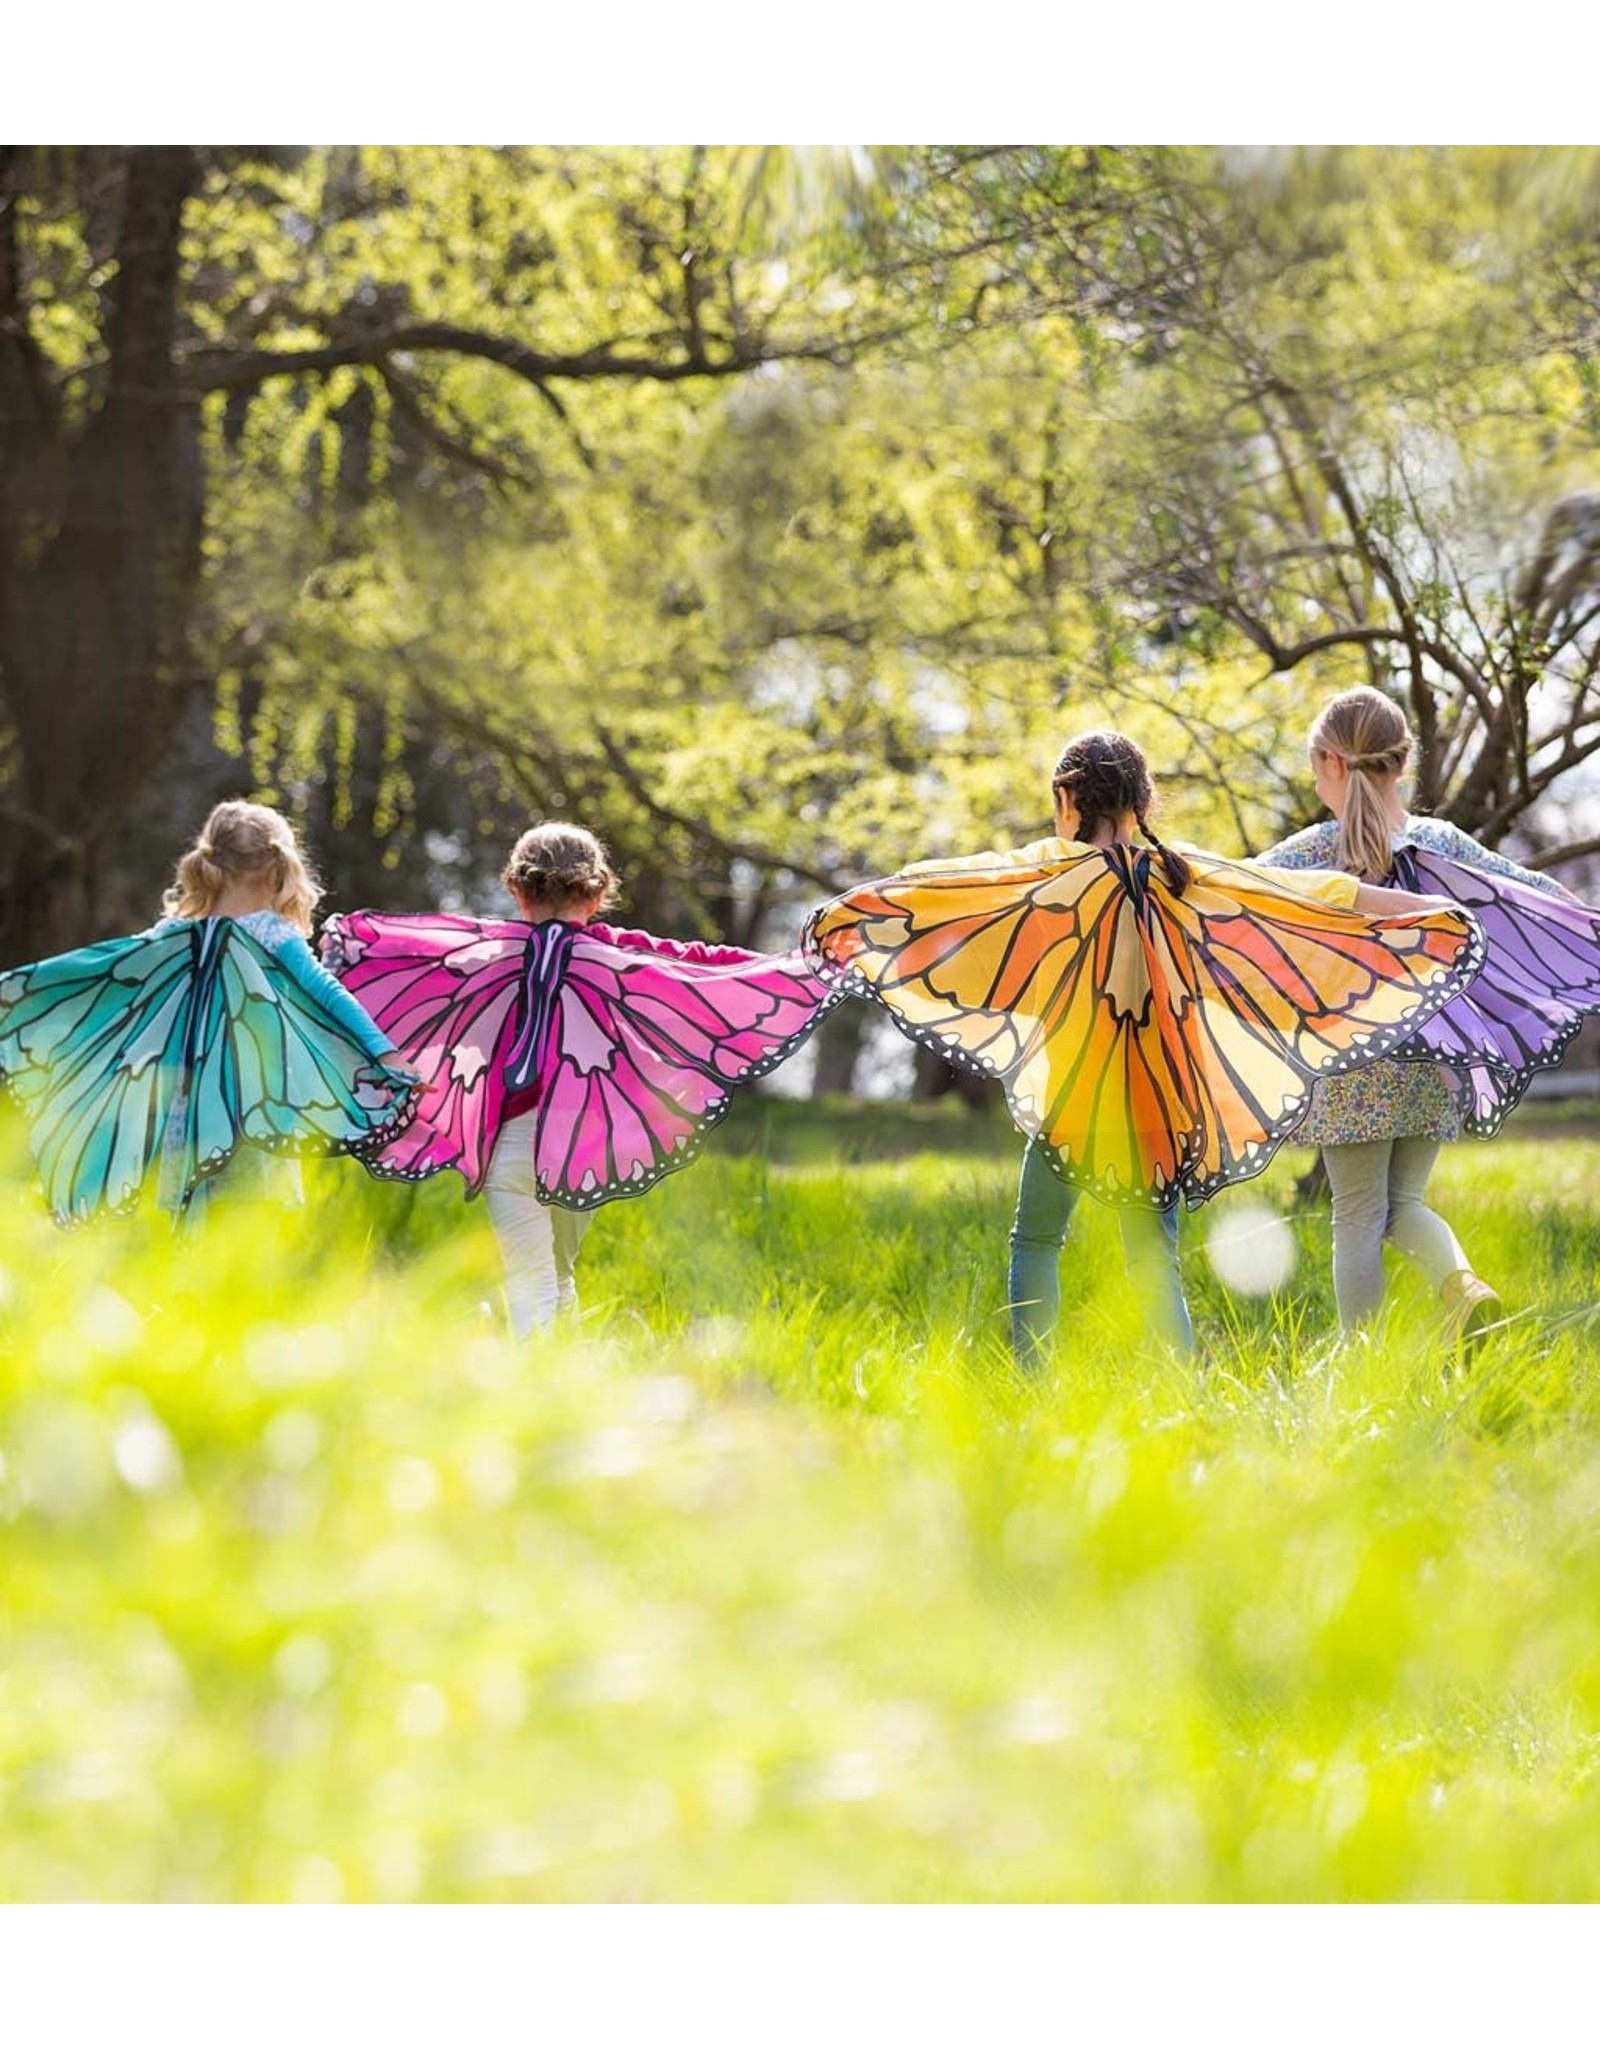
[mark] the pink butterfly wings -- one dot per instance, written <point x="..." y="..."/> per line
<point x="628" y="1046"/>
<point x="642" y="1056"/>
<point x="448" y="991"/>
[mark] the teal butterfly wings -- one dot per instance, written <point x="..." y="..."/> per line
<point x="183" y="1046"/>
<point x="89" y="1045"/>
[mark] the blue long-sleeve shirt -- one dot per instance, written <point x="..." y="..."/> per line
<point x="296" y="958"/>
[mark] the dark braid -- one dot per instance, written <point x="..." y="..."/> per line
<point x="1179" y="873"/>
<point x="1106" y="776"/>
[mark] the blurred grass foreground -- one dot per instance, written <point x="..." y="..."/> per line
<point x="771" y="1580"/>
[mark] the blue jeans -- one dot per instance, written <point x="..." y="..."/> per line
<point x="1149" y="1241"/>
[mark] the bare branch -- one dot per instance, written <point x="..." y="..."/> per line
<point x="212" y="369"/>
<point x="1283" y="659"/>
<point x="455" y="439"/>
<point x="1555" y="856"/>
<point x="729" y="849"/>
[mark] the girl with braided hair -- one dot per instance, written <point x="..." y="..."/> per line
<point x="565" y="1062"/>
<point x="1100" y="781"/>
<point x="1380" y="1129"/>
<point x="1156" y="1016"/>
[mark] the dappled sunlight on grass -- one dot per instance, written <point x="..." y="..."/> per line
<point x="771" y="1578"/>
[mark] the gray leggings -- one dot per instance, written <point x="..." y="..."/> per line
<point x="1377" y="1194"/>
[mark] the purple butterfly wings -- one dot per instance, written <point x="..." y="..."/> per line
<point x="1540" y="979"/>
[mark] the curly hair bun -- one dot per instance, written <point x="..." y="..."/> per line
<point x="559" y="867"/>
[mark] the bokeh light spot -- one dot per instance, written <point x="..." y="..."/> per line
<point x="1252" y="1249"/>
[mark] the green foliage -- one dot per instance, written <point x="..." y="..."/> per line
<point x="773" y="1581"/>
<point x="1117" y="436"/>
<point x="781" y="513"/>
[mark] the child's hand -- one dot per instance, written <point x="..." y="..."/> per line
<point x="1374" y="901"/>
<point x="398" y="1069"/>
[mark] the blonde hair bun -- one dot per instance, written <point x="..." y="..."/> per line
<point x="244" y="842"/>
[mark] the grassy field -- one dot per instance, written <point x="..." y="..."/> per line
<point x="773" y="1580"/>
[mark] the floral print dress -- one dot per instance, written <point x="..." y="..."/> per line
<point x="1391" y="1098"/>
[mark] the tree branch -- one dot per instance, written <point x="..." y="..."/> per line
<point x="1552" y="857"/>
<point x="1540" y="780"/>
<point x="729" y="849"/>
<point x="210" y="369"/>
<point x="453" y="440"/>
<point x="1283" y="659"/>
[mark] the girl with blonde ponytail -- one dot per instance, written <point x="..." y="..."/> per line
<point x="213" y="1041"/>
<point x="1380" y="1129"/>
<point x="245" y="861"/>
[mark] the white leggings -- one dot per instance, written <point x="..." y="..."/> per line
<point x="1377" y="1193"/>
<point x="538" y="1245"/>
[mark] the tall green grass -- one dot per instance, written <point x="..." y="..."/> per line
<point x="772" y="1579"/>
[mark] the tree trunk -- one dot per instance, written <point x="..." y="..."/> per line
<point x="99" y="556"/>
<point x="934" y="1077"/>
<point x="839" y="1039"/>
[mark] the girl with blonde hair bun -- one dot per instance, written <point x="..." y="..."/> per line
<point x="213" y="1041"/>
<point x="1380" y="1129"/>
<point x="246" y="853"/>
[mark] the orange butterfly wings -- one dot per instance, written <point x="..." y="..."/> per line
<point x="1158" y="1044"/>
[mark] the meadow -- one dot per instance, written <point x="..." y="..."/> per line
<point x="772" y="1579"/>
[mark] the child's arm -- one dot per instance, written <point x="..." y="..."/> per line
<point x="298" y="960"/>
<point x="674" y="949"/>
<point x="1345" y="892"/>
<point x="1374" y="900"/>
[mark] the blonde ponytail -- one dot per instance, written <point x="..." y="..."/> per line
<point x="1369" y="733"/>
<point x="200" y="881"/>
<point x="1364" y="830"/>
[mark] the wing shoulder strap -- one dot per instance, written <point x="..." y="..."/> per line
<point x="544" y="968"/>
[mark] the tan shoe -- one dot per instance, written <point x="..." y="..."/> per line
<point x="1470" y="1304"/>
